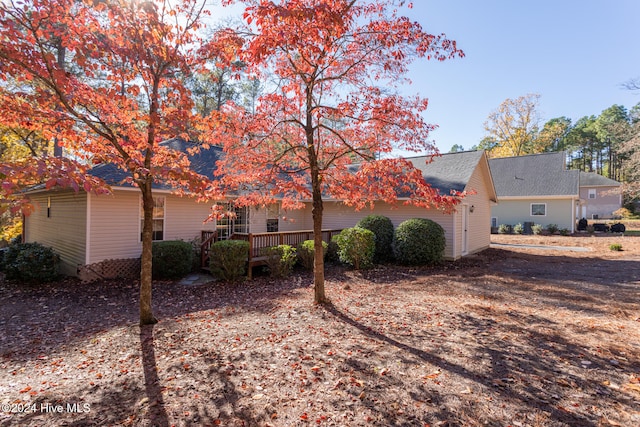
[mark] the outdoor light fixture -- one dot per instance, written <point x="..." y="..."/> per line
<point x="472" y="208"/>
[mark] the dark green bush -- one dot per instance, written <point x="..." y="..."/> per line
<point x="382" y="228"/>
<point x="552" y="228"/>
<point x="306" y="253"/>
<point x="419" y="241"/>
<point x="172" y="259"/>
<point x="356" y="247"/>
<point x="280" y="259"/>
<point x="31" y="263"/>
<point x="332" y="250"/>
<point x="228" y="259"/>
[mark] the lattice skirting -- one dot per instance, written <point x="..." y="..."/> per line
<point x="110" y="269"/>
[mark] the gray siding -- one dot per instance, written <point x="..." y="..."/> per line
<point x="559" y="211"/>
<point x="64" y="229"/>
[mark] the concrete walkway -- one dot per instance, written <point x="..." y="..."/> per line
<point x="543" y="247"/>
<point x="195" y="279"/>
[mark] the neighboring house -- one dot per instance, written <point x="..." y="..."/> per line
<point x="600" y="197"/>
<point x="99" y="236"/>
<point x="538" y="189"/>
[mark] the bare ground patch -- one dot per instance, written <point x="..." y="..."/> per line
<point x="507" y="337"/>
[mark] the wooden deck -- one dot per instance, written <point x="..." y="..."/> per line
<point x="258" y="241"/>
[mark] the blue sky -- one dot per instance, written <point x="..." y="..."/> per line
<point x="575" y="54"/>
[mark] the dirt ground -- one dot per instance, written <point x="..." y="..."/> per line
<point x="512" y="336"/>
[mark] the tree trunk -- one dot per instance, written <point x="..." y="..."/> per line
<point x="319" y="296"/>
<point x="146" y="313"/>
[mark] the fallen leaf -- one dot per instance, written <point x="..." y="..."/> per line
<point x="631" y="386"/>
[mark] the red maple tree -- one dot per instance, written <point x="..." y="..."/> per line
<point x="105" y="80"/>
<point x="336" y="65"/>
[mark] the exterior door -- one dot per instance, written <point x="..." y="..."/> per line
<point x="465" y="229"/>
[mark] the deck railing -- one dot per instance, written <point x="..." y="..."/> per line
<point x="207" y="239"/>
<point x="258" y="241"/>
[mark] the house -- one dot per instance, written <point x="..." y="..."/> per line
<point x="539" y="189"/>
<point x="100" y="236"/>
<point x="600" y="197"/>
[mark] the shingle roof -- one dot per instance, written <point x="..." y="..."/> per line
<point x="451" y="171"/>
<point x="590" y="179"/>
<point x="202" y="162"/>
<point x="534" y="175"/>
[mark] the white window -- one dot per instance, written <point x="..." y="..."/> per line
<point x="273" y="212"/>
<point x="235" y="220"/>
<point x="592" y="193"/>
<point x="158" y="218"/>
<point x="538" y="209"/>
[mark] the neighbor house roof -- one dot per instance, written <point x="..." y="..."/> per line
<point x="590" y="179"/>
<point x="202" y="162"/>
<point x="534" y="175"/>
<point x="451" y="171"/>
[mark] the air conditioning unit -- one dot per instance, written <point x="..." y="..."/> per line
<point x="594" y="216"/>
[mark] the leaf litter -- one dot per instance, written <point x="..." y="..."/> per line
<point x="476" y="342"/>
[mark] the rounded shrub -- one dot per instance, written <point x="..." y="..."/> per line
<point x="172" y="259"/>
<point x="31" y="263"/>
<point x="505" y="229"/>
<point x="382" y="228"/>
<point x="518" y="228"/>
<point x="306" y="253"/>
<point x="280" y="259"/>
<point x="228" y="259"/>
<point x="419" y="241"/>
<point x="356" y="247"/>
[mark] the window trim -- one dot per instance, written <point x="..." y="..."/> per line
<point x="272" y="222"/>
<point x="537" y="204"/>
<point x="593" y="194"/>
<point x="163" y="218"/>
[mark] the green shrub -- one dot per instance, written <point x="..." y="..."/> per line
<point x="228" y="259"/>
<point x="31" y="263"/>
<point x="306" y="253"/>
<point x="356" y="247"/>
<point x="418" y="241"/>
<point x="172" y="259"/>
<point x="552" y="228"/>
<point x="564" y="232"/>
<point x="504" y="229"/>
<point x="536" y="229"/>
<point x="280" y="259"/>
<point x="518" y="228"/>
<point x="332" y="250"/>
<point x="615" y="247"/>
<point x="382" y="228"/>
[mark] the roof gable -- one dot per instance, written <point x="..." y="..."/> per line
<point x="451" y="171"/>
<point x="534" y="175"/>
